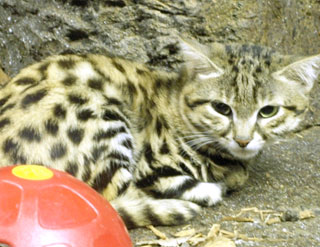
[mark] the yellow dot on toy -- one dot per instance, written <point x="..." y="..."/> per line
<point x="32" y="172"/>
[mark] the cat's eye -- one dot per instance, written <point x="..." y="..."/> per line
<point x="268" y="111"/>
<point x="221" y="108"/>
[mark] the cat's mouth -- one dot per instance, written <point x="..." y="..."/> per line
<point x="247" y="152"/>
<point x="244" y="153"/>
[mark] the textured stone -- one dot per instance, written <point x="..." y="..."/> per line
<point x="146" y="30"/>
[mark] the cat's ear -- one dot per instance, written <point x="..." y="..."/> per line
<point x="197" y="63"/>
<point x="303" y="73"/>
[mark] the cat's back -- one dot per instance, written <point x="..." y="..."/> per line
<point x="96" y="72"/>
<point x="55" y="109"/>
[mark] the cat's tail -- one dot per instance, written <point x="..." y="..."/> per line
<point x="137" y="209"/>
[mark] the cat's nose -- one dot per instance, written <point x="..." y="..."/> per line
<point x="242" y="142"/>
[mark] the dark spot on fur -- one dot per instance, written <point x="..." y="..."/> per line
<point x="132" y="88"/>
<point x="25" y="81"/>
<point x="127" y="143"/>
<point x="33" y="98"/>
<point x="158" y="84"/>
<point x="4" y="122"/>
<point x="113" y="101"/>
<point x="235" y="69"/>
<point x="141" y="71"/>
<point x="118" y="66"/>
<point x="164" y="148"/>
<point x="193" y="104"/>
<point x="177" y="192"/>
<point x="85" y="115"/>
<point x="109" y="133"/>
<point x="20" y="158"/>
<point x="51" y="127"/>
<point x="77" y="99"/>
<point x="153" y="217"/>
<point x="66" y="63"/>
<point x="12" y="148"/>
<point x="72" y="168"/>
<point x="96" y="84"/>
<point x="30" y="134"/>
<point x="103" y="178"/>
<point x="7" y="107"/>
<point x="127" y="218"/>
<point x="146" y="121"/>
<point x="9" y="146"/>
<point x="4" y="100"/>
<point x="166" y="171"/>
<point x="43" y="69"/>
<point x="69" y="80"/>
<point x="267" y="62"/>
<point x="97" y="151"/>
<point x="123" y="187"/>
<point x="146" y="181"/>
<point x="185" y="168"/>
<point x="144" y="91"/>
<point x="75" y="135"/>
<point x="86" y="175"/>
<point x="114" y="155"/>
<point x="59" y="111"/>
<point x="163" y="171"/>
<point x="158" y="127"/>
<point x="57" y="151"/>
<point x="178" y="218"/>
<point x="110" y="115"/>
<point x="148" y="153"/>
<point x="258" y="69"/>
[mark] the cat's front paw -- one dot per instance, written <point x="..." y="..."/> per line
<point x="236" y="177"/>
<point x="206" y="194"/>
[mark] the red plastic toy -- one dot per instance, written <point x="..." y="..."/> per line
<point x="42" y="207"/>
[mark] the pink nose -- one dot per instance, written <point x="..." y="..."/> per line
<point x="242" y="143"/>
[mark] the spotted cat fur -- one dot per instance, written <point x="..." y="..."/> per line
<point x="155" y="144"/>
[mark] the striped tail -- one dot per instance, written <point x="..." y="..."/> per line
<point x="137" y="209"/>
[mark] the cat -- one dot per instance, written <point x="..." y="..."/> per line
<point x="157" y="145"/>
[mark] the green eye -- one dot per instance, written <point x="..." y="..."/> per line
<point x="268" y="111"/>
<point x="222" y="108"/>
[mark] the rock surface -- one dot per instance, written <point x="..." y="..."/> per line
<point x="286" y="176"/>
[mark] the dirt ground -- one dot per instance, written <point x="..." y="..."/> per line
<point x="280" y="203"/>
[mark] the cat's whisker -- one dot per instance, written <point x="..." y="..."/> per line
<point x="199" y="142"/>
<point x="193" y="136"/>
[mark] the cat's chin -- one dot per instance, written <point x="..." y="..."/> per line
<point x="244" y="154"/>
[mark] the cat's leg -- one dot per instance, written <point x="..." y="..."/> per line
<point x="183" y="187"/>
<point x="232" y="174"/>
<point x="111" y="164"/>
<point x="236" y="176"/>
<point x="111" y="154"/>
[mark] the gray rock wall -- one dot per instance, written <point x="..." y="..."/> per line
<point x="146" y="30"/>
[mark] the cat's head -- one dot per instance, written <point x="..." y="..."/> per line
<point x="238" y="97"/>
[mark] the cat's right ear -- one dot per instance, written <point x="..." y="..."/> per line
<point x="197" y="64"/>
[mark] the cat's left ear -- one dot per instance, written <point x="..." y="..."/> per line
<point x="304" y="73"/>
<point x="197" y="63"/>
